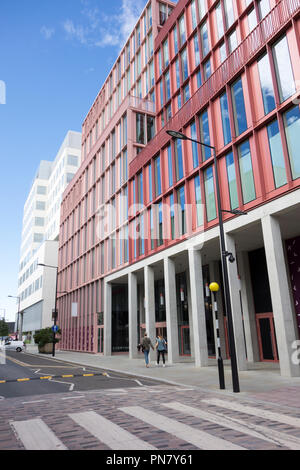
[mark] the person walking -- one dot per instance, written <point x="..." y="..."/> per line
<point x="161" y="346"/>
<point x="146" y="344"/>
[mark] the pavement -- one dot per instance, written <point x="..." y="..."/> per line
<point x="262" y="381"/>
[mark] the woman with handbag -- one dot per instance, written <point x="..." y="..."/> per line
<point x="161" y="346"/>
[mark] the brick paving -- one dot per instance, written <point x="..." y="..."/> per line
<point x="54" y="411"/>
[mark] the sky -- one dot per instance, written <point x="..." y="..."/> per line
<point x="54" y="57"/>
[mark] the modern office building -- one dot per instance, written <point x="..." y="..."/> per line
<point x="36" y="284"/>
<point x="139" y="240"/>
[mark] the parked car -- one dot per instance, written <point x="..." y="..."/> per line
<point x="14" y="346"/>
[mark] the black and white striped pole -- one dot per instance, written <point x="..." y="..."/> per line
<point x="214" y="287"/>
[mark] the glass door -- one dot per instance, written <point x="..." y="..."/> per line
<point x="266" y="337"/>
<point x="100" y="339"/>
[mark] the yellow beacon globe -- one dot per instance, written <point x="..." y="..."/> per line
<point x="214" y="287"/>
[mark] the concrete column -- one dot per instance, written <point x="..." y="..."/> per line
<point x="189" y="297"/>
<point x="281" y="301"/>
<point x="248" y="308"/>
<point x="132" y="315"/>
<point x="171" y="310"/>
<point x="107" y="318"/>
<point x="198" y="309"/>
<point x="216" y="276"/>
<point x="234" y="286"/>
<point x="150" y="306"/>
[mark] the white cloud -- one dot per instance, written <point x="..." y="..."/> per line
<point x="47" y="32"/>
<point x="101" y="30"/>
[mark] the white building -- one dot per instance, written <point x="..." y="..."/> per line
<point x="39" y="244"/>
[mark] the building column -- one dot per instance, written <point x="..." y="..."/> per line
<point x="107" y="318"/>
<point x="189" y="298"/>
<point x="234" y="287"/>
<point x="198" y="308"/>
<point x="150" y="305"/>
<point x="215" y="276"/>
<point x="171" y="310"/>
<point x="281" y="301"/>
<point x="248" y="308"/>
<point x="132" y="315"/>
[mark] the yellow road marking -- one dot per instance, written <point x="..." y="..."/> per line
<point x="88" y="375"/>
<point x="22" y="380"/>
<point x="46" y="377"/>
<point x="64" y="376"/>
<point x="2" y="381"/>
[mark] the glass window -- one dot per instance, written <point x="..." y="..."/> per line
<point x="177" y="73"/>
<point x="229" y="12"/>
<point x="198" y="201"/>
<point x="193" y="12"/>
<point x="223" y="53"/>
<point x="207" y="69"/>
<point x="186" y="93"/>
<point x="160" y="224"/>
<point x="232" y="41"/>
<point x="204" y="39"/>
<point x="204" y="135"/>
<point x="140" y="128"/>
<point x="167" y="86"/>
<point x="41" y="190"/>
<point x="175" y="40"/>
<point x="181" y="210"/>
<point x="170" y="165"/>
<point x="292" y="130"/>
<point x="157" y="176"/>
<point x="211" y="211"/>
<point x="284" y="71"/>
<point x="196" y="50"/>
<point x="252" y="20"/>
<point x="182" y="35"/>
<point x="73" y="160"/>
<point x="277" y="157"/>
<point x="239" y="110"/>
<point x="264" y="8"/>
<point x="150" y="128"/>
<point x="266" y="84"/>
<point x="172" y="215"/>
<point x="231" y="176"/>
<point x="225" y="119"/>
<point x="184" y="65"/>
<point x="194" y="145"/>
<point x="178" y="159"/>
<point x="219" y="19"/>
<point x="246" y="172"/>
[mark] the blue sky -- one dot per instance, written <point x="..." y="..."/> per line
<point x="54" y="58"/>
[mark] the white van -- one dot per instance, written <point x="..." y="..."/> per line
<point x="14" y="346"/>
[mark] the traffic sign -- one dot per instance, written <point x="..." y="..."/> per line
<point x="55" y="328"/>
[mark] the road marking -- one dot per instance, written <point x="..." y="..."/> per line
<point x="23" y="380"/>
<point x="33" y="401"/>
<point x="110" y="434"/>
<point x="290" y="420"/>
<point x="200" y="439"/>
<point x="36" y="435"/>
<point x="260" y="432"/>
<point x="73" y="397"/>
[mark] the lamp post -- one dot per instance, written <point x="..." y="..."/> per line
<point x="224" y="255"/>
<point x="55" y="304"/>
<point x="18" y="320"/>
<point x="214" y="287"/>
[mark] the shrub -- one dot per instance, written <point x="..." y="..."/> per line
<point x="45" y="336"/>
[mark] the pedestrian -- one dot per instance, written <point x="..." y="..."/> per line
<point x="161" y="346"/>
<point x="146" y="344"/>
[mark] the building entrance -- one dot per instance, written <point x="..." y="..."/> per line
<point x="263" y="306"/>
<point x="120" y="340"/>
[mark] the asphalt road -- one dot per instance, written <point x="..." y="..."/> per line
<point x="23" y="374"/>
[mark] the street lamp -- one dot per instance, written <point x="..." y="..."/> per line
<point x="224" y="255"/>
<point x="55" y="304"/>
<point x="18" y="320"/>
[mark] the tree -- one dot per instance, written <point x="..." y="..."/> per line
<point x="3" y="328"/>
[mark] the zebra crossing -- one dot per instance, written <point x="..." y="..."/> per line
<point x="232" y="419"/>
